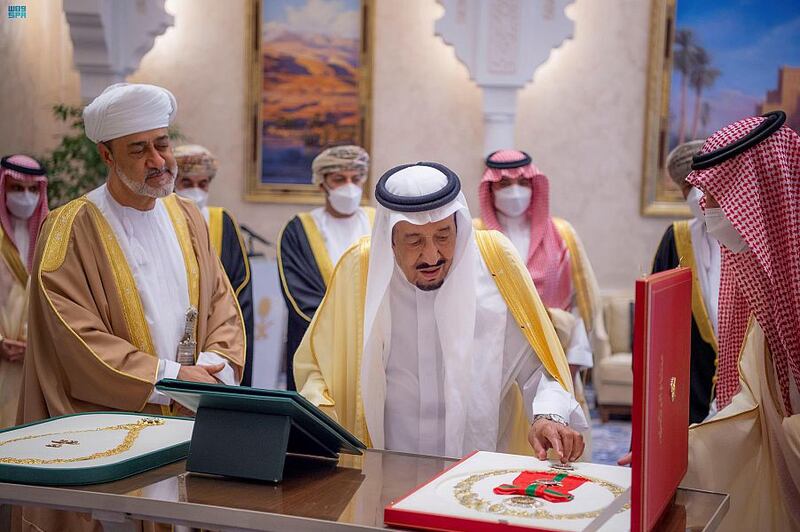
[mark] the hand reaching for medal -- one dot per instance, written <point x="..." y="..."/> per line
<point x="547" y="434"/>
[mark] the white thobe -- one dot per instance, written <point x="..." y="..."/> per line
<point x="414" y="411"/>
<point x="518" y="230"/>
<point x="707" y="265"/>
<point x="340" y="233"/>
<point x="150" y="245"/>
<point x="22" y="238"/>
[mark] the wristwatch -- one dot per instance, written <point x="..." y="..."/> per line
<point x="552" y="417"/>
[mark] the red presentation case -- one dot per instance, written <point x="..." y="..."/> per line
<point x="661" y="353"/>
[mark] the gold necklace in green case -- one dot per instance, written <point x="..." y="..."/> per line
<point x="469" y="499"/>
<point x="133" y="430"/>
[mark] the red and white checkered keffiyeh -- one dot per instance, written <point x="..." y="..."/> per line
<point x="548" y="260"/>
<point x="36" y="220"/>
<point x="759" y="192"/>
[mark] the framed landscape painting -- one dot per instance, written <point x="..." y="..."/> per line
<point x="310" y="64"/>
<point x="713" y="62"/>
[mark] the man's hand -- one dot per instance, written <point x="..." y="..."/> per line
<point x="625" y="460"/>
<point x="12" y="350"/>
<point x="200" y="373"/>
<point x="566" y="442"/>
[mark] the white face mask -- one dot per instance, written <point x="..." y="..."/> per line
<point x="22" y="204"/>
<point x="512" y="200"/>
<point x="693" y="200"/>
<point x="345" y="199"/>
<point x="721" y="228"/>
<point x="197" y="195"/>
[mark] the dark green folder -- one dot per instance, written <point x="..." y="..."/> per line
<point x="247" y="432"/>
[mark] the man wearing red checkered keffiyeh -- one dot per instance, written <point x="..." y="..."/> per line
<point x="515" y="200"/>
<point x="23" y="207"/>
<point x="749" y="173"/>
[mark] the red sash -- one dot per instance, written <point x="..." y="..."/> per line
<point x="552" y="487"/>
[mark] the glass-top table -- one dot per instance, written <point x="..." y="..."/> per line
<point x="348" y="495"/>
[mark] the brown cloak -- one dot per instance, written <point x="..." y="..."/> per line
<point x="89" y="346"/>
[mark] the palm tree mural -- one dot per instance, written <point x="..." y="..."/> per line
<point x="682" y="59"/>
<point x="693" y="63"/>
<point x="702" y="76"/>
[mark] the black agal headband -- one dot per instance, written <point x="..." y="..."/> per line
<point x="427" y="202"/>
<point x="5" y="163"/>
<point x="771" y="123"/>
<point x="505" y="165"/>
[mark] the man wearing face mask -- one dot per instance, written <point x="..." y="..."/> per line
<point x="688" y="243"/>
<point x="310" y="245"/>
<point x="748" y="173"/>
<point x="23" y="186"/>
<point x="197" y="167"/>
<point x="514" y="199"/>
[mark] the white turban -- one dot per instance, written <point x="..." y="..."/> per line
<point x="127" y="108"/>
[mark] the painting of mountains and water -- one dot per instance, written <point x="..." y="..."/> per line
<point x="312" y="84"/>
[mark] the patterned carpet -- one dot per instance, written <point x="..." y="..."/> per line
<point x="609" y="440"/>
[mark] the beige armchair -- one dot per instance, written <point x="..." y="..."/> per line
<point x="612" y="374"/>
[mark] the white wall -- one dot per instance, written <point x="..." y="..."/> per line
<point x="582" y="118"/>
<point x="35" y="72"/>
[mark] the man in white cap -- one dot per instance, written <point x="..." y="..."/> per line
<point x="432" y="339"/>
<point x="310" y="245"/>
<point x="118" y="276"/>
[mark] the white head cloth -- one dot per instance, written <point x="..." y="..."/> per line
<point x="127" y="108"/>
<point x="454" y="308"/>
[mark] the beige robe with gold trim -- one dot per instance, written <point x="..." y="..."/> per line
<point x="13" y="325"/>
<point x="327" y="364"/>
<point x="88" y="342"/>
<point x="749" y="449"/>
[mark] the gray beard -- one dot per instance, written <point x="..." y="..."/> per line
<point x="143" y="189"/>
<point x="430" y="287"/>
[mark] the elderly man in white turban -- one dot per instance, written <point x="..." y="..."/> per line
<point x="432" y="338"/>
<point x="312" y="242"/>
<point x="116" y="273"/>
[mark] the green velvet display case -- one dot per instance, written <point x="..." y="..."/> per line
<point x="91" y="448"/>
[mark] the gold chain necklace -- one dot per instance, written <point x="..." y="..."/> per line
<point x="469" y="499"/>
<point x="133" y="431"/>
